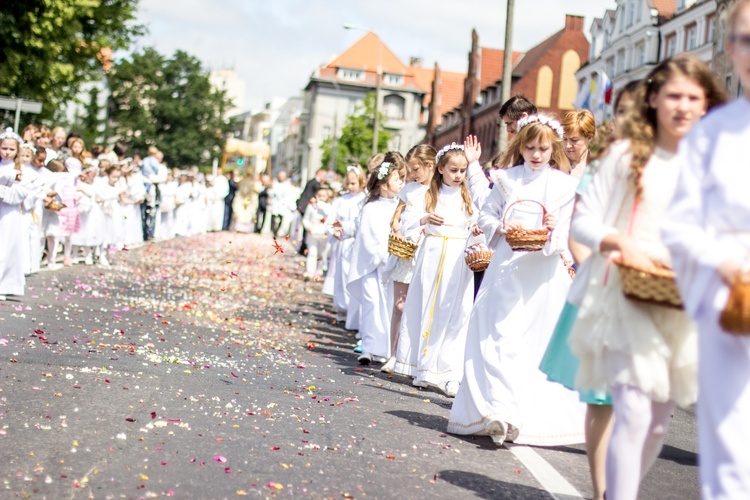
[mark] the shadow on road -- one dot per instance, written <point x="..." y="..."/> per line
<point x="485" y="487"/>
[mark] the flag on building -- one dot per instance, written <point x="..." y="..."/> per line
<point x="603" y="91"/>
<point x="583" y="99"/>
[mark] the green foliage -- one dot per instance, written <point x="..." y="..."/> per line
<point x="51" y="47"/>
<point x="355" y="141"/>
<point x="169" y="103"/>
<point x="90" y="125"/>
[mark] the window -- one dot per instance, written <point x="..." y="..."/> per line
<point x="631" y="13"/>
<point x="622" y="18"/>
<point x="352" y="75"/>
<point x="393" y="106"/>
<point x="326" y="132"/>
<point x="639" y="11"/>
<point x="680" y="4"/>
<point x="592" y="51"/>
<point x="393" y="80"/>
<point x="544" y="78"/>
<point x="640" y="55"/>
<point x="670" y="45"/>
<point x="710" y="28"/>
<point x="611" y="66"/>
<point x="621" y="62"/>
<point x="691" y="37"/>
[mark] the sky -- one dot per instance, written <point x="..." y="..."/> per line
<point x="275" y="45"/>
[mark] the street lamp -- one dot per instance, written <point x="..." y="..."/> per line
<point x="378" y="77"/>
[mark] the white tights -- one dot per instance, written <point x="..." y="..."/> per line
<point x="637" y="437"/>
<point x="52" y="242"/>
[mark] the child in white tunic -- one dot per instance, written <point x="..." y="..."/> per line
<point x="108" y="195"/>
<point x="12" y="194"/>
<point x="503" y="393"/>
<point x="421" y="161"/>
<point x="314" y="222"/>
<point x="436" y="315"/>
<point x="644" y="354"/>
<point x="59" y="225"/>
<point x="131" y="204"/>
<point x="89" y="235"/>
<point x="370" y="252"/>
<point x="344" y="212"/>
<point x="168" y="190"/>
<point x="35" y="181"/>
<point x="707" y="230"/>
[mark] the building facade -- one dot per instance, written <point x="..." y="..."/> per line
<point x="545" y="74"/>
<point x="628" y="42"/>
<point x="338" y="89"/>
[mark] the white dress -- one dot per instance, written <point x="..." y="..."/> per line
<point x="397" y="269"/>
<point x="165" y="229"/>
<point x="707" y="223"/>
<point x="36" y="181"/>
<point x="346" y="209"/>
<point x="436" y="313"/>
<point x="92" y="217"/>
<point x="618" y="340"/>
<point x="365" y="279"/>
<point x="113" y="226"/>
<point x="62" y="223"/>
<point x="133" y="221"/>
<point x="183" y="212"/>
<point x="12" y="194"/>
<point x="513" y="318"/>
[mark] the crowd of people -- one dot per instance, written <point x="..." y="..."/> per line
<point x="540" y="347"/>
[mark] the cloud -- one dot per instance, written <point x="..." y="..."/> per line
<point x="276" y="45"/>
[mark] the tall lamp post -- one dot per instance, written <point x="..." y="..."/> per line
<point x="378" y="78"/>
<point x="502" y="134"/>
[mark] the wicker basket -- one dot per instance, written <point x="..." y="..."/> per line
<point x="479" y="260"/>
<point x="526" y="240"/>
<point x="55" y="206"/>
<point x="735" y="318"/>
<point x="658" y="288"/>
<point x="400" y="247"/>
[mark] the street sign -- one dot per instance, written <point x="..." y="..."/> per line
<point x="26" y="106"/>
<point x="20" y="105"/>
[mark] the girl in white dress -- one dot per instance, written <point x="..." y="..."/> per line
<point x="436" y="314"/>
<point x="59" y="225"/>
<point x="421" y="161"/>
<point x="707" y="230"/>
<point x="645" y="355"/>
<point x="12" y="194"/>
<point x="503" y="393"/>
<point x="135" y="190"/>
<point x="316" y="239"/>
<point x="344" y="212"/>
<point x="369" y="254"/>
<point x="108" y="195"/>
<point x="165" y="228"/>
<point x="35" y="181"/>
<point x="89" y="235"/>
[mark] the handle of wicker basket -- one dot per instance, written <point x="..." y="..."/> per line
<point x="507" y="210"/>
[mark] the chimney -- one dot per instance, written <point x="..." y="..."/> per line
<point x="573" y="23"/>
<point x="415" y="62"/>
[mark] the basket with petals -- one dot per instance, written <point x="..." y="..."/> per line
<point x="735" y="318"/>
<point x="478" y="259"/>
<point x="401" y="247"/>
<point x="55" y="206"/>
<point x="654" y="287"/>
<point x="522" y="239"/>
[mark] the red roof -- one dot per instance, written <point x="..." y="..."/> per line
<point x="666" y="8"/>
<point x="491" y="66"/>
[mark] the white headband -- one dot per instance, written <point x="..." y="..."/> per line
<point x="447" y="148"/>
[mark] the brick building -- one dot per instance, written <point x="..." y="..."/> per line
<point x="546" y="74"/>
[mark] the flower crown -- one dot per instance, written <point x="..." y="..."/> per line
<point x="9" y="134"/>
<point x="447" y="148"/>
<point x="544" y="120"/>
<point x="29" y="146"/>
<point x="383" y="170"/>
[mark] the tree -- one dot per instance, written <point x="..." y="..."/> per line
<point x="51" y="47"/>
<point x="354" y="146"/>
<point x="90" y="124"/>
<point x="169" y="103"/>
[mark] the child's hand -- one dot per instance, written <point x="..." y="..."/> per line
<point x="476" y="230"/>
<point x="18" y="176"/>
<point x="472" y="149"/>
<point x="550" y="222"/>
<point x="729" y="270"/>
<point x="433" y="219"/>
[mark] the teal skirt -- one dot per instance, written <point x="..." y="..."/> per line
<point x="560" y="365"/>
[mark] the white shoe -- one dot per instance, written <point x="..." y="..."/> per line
<point x="419" y="383"/>
<point x="3" y="297"/>
<point x="513" y="433"/>
<point x="451" y="389"/>
<point x="497" y="430"/>
<point x="54" y="266"/>
<point x="103" y="261"/>
<point x="365" y="358"/>
<point x="379" y="359"/>
<point x="89" y="260"/>
<point x="389" y="366"/>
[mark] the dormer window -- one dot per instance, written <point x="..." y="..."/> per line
<point x="393" y="80"/>
<point x="352" y="75"/>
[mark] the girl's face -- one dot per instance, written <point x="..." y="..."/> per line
<point x="114" y="177"/>
<point x="58" y="140"/>
<point x="537" y="153"/>
<point x="322" y="195"/>
<point x="76" y="148"/>
<point x="454" y="170"/>
<point x="351" y="183"/>
<point x="25" y="156"/>
<point x="679" y="104"/>
<point x="39" y="158"/>
<point x="88" y="177"/>
<point x="624" y="106"/>
<point x="420" y="172"/>
<point x="575" y="144"/>
<point x="738" y="47"/>
<point x="394" y="184"/>
<point x="8" y="149"/>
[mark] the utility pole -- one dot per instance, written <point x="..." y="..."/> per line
<point x="502" y="134"/>
<point x="379" y="78"/>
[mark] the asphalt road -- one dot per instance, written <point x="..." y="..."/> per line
<point x="206" y="368"/>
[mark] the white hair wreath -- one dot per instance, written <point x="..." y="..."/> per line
<point x="447" y="148"/>
<point x="544" y="120"/>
